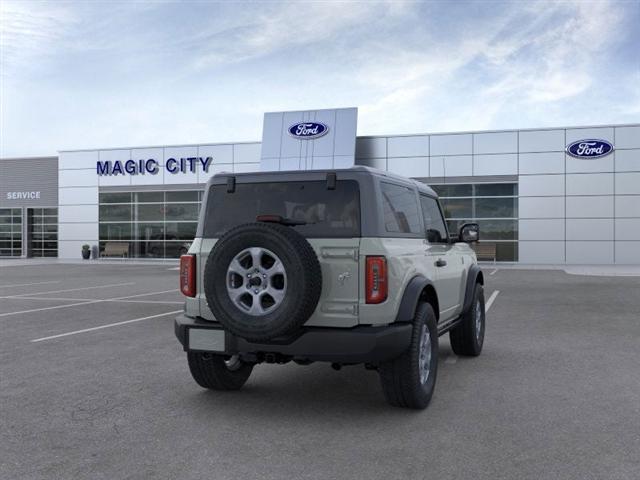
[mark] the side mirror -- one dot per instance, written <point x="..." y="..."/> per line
<point x="469" y="233"/>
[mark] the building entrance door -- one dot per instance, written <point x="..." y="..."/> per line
<point x="42" y="232"/>
<point x="10" y="232"/>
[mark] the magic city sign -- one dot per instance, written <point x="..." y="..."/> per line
<point x="589" y="148"/>
<point x="151" y="166"/>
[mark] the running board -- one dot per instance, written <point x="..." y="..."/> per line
<point x="445" y="327"/>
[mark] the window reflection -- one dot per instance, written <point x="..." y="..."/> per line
<point x="153" y="224"/>
<point x="494" y="206"/>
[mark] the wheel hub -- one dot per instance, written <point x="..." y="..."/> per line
<point x="256" y="281"/>
<point x="478" y="320"/>
<point x="425" y="354"/>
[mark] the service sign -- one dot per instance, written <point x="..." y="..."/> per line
<point x="23" y="195"/>
<point x="589" y="148"/>
<point x="308" y="130"/>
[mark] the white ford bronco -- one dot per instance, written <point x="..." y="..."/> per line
<point x="347" y="266"/>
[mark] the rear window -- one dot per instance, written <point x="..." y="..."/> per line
<point x="328" y="213"/>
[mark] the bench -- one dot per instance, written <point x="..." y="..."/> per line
<point x="114" y="249"/>
<point x="485" y="251"/>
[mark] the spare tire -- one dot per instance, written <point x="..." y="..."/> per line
<point x="262" y="280"/>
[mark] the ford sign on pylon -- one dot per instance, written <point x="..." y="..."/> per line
<point x="590" y="148"/>
<point x="308" y="130"/>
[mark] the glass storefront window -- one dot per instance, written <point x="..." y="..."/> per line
<point x="115" y="231"/>
<point x="186" y="196"/>
<point x="10" y="232"/>
<point x="495" y="189"/>
<point x="149" y="213"/>
<point x="154" y="224"/>
<point x="42" y="229"/>
<point x="115" y="197"/>
<point x="182" y="212"/>
<point x="149" y="197"/>
<point x="181" y="231"/>
<point x="115" y="213"/>
<point x="150" y="231"/>
<point x="463" y="190"/>
<point x="457" y="207"/>
<point x="494" y="206"/>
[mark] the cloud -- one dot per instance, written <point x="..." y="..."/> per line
<point x="30" y="30"/>
<point x="542" y="54"/>
<point x="168" y="73"/>
<point x="298" y="28"/>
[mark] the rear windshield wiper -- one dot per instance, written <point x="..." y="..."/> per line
<point x="289" y="222"/>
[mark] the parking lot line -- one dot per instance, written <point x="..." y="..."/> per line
<point x="109" y="325"/>
<point x="67" y="299"/>
<point x="89" y="302"/>
<point x="28" y="284"/>
<point x="72" y="289"/>
<point x="491" y="300"/>
<point x="33" y="310"/>
<point x="493" y="272"/>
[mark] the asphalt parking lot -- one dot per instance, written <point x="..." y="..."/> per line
<point x="93" y="384"/>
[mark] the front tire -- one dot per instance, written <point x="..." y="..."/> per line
<point x="409" y="380"/>
<point x="217" y="372"/>
<point x="468" y="337"/>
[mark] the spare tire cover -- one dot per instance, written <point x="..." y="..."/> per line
<point x="262" y="280"/>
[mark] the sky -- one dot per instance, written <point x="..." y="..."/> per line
<point x="96" y="74"/>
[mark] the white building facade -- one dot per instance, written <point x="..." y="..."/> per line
<point x="534" y="201"/>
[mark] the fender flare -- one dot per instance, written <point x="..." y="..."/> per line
<point x="474" y="276"/>
<point x="411" y="297"/>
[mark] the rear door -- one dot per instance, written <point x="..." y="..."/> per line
<point x="329" y="218"/>
<point x="448" y="265"/>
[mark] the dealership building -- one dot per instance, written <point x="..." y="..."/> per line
<point x="567" y="195"/>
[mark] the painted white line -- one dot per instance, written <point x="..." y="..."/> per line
<point x="147" y="301"/>
<point x="493" y="296"/>
<point x="66" y="299"/>
<point x="174" y="290"/>
<point x="56" y="307"/>
<point x="73" y="289"/>
<point x="33" y="310"/>
<point x="451" y="360"/>
<point x="174" y="268"/>
<point x="28" y="284"/>
<point x="84" y="330"/>
<point x="494" y="272"/>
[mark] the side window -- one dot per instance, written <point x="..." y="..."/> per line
<point x="433" y="221"/>
<point x="400" y="209"/>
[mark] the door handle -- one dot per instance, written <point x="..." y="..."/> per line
<point x="440" y="262"/>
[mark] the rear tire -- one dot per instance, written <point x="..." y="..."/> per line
<point x="468" y="337"/>
<point x="404" y="382"/>
<point x="217" y="372"/>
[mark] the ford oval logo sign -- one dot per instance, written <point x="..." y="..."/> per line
<point x="308" y="130"/>
<point x="590" y="148"/>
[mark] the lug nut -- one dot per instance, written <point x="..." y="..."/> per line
<point x="256" y="290"/>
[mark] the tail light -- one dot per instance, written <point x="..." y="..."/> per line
<point x="188" y="275"/>
<point x="376" y="280"/>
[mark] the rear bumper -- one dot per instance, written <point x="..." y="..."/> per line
<point x="362" y="344"/>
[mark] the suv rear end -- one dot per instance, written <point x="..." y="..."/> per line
<point x="326" y="210"/>
<point x="315" y="266"/>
